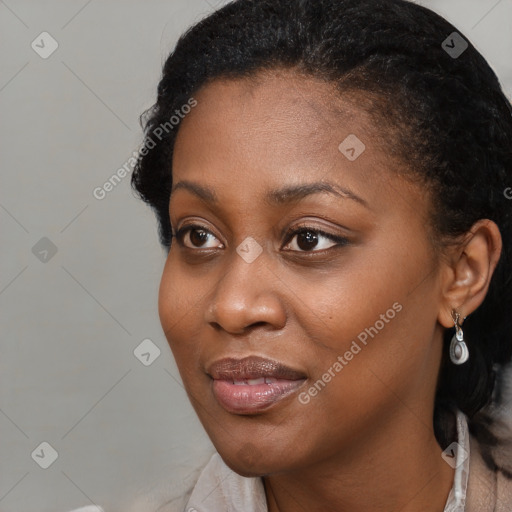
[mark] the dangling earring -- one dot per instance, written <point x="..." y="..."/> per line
<point x="459" y="352"/>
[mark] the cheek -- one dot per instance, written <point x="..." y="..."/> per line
<point x="371" y="325"/>
<point x="356" y="301"/>
<point x="178" y="307"/>
<point x="168" y="298"/>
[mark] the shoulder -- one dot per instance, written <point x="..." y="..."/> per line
<point x="489" y="489"/>
<point x="490" y="473"/>
<point x="173" y="493"/>
<point x="219" y="488"/>
<point x="209" y="486"/>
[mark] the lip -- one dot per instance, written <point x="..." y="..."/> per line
<point x="252" y="384"/>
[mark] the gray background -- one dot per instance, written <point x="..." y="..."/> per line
<point x="72" y="320"/>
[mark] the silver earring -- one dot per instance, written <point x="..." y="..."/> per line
<point x="459" y="352"/>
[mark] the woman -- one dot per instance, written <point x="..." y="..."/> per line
<point x="330" y="179"/>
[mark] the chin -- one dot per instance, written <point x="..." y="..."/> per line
<point x="249" y="461"/>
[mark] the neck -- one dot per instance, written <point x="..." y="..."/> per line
<point x="398" y="468"/>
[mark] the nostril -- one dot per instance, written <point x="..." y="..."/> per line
<point x="217" y="327"/>
<point x="257" y="324"/>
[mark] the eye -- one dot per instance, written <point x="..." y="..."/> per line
<point x="309" y="238"/>
<point x="196" y="235"/>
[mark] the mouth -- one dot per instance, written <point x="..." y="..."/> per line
<point x="252" y="384"/>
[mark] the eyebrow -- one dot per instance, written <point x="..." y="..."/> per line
<point x="285" y="195"/>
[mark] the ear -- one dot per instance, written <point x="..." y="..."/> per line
<point x="468" y="271"/>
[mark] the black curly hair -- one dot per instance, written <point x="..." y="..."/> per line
<point x="449" y="118"/>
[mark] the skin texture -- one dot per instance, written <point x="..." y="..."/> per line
<point x="365" y="442"/>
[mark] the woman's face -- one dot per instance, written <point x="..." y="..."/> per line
<point x="297" y="346"/>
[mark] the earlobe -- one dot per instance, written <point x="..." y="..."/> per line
<point x="471" y="266"/>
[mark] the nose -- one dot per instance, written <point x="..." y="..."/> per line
<point x="246" y="296"/>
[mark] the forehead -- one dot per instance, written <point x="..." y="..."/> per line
<point x="278" y="111"/>
<point x="253" y="134"/>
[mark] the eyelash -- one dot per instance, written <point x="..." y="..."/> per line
<point x="290" y="233"/>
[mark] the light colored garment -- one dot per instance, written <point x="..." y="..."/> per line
<point x="90" y="508"/>
<point x="220" y="489"/>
